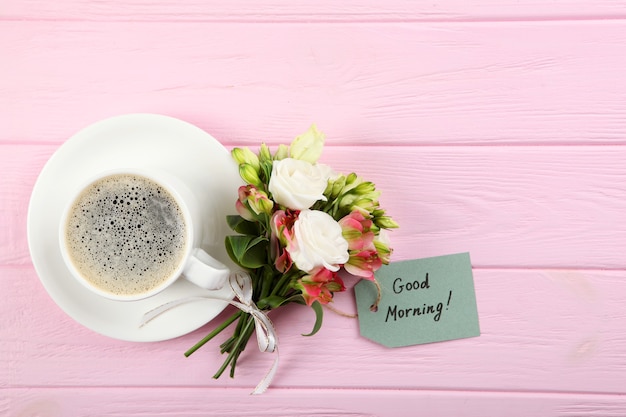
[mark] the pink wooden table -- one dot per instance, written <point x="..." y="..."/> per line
<point x="494" y="127"/>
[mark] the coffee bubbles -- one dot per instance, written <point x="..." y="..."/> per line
<point x="126" y="234"/>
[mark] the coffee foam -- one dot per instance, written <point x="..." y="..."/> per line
<point x="125" y="234"/>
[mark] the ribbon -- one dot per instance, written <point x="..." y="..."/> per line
<point x="241" y="284"/>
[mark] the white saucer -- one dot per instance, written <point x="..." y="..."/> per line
<point x="136" y="140"/>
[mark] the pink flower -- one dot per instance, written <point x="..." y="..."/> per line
<point x="252" y="201"/>
<point x="241" y="205"/>
<point x="320" y="286"/>
<point x="381" y="242"/>
<point x="356" y="230"/>
<point x="281" y="224"/>
<point x="367" y="250"/>
<point x="363" y="263"/>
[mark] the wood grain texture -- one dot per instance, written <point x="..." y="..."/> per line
<point x="513" y="207"/>
<point x="541" y="331"/>
<point x="288" y="11"/>
<point x="494" y="127"/>
<point x="190" y="402"/>
<point x="365" y="84"/>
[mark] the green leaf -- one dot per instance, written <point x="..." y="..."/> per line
<point x="247" y="251"/>
<point x="266" y="169"/>
<point x="228" y="243"/>
<point x="319" y="313"/>
<point x="242" y="226"/>
<point x="275" y="301"/>
<point x="271" y="301"/>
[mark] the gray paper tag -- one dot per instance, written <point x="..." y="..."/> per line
<point x="423" y="300"/>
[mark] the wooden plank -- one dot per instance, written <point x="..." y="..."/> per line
<point x="286" y="11"/>
<point x="394" y="84"/>
<point x="190" y="402"/>
<point x="541" y="331"/>
<point x="513" y="207"/>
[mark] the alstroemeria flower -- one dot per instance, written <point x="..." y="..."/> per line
<point x="281" y="225"/>
<point x="363" y="264"/>
<point x="382" y="245"/>
<point x="251" y="198"/>
<point x="259" y="201"/>
<point x="356" y="230"/>
<point x="317" y="242"/>
<point x="241" y="205"/>
<point x="298" y="184"/>
<point x="320" y="285"/>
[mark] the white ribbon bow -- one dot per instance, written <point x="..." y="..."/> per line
<point x="241" y="284"/>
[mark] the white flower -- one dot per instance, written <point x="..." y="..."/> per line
<point x="308" y="146"/>
<point x="317" y="241"/>
<point x="298" y="184"/>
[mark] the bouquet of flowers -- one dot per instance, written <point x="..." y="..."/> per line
<point x="299" y="225"/>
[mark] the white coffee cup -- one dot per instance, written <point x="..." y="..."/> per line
<point x="129" y="234"/>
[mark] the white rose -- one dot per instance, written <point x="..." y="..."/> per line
<point x="298" y="184"/>
<point x="317" y="241"/>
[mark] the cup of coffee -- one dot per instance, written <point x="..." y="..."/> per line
<point x="129" y="234"/>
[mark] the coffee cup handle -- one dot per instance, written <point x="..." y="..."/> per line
<point x="205" y="271"/>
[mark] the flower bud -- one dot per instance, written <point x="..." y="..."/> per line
<point x="366" y="203"/>
<point x="378" y="212"/>
<point x="308" y="146"/>
<point x="281" y="153"/>
<point x="363" y="264"/>
<point x="347" y="200"/>
<point x="338" y="184"/>
<point x="244" y="211"/>
<point x="334" y="286"/>
<point x="241" y="204"/>
<point x="319" y="286"/>
<point x="386" y="222"/>
<point x="250" y="175"/>
<point x="259" y="202"/>
<point x="365" y="188"/>
<point x="264" y="153"/>
<point x="356" y="229"/>
<point x="381" y="243"/>
<point x="351" y="178"/>
<point x="246" y="156"/>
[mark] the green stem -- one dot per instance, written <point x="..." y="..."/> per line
<point x="267" y="279"/>
<point x="214" y="333"/>
<point x="235" y="349"/>
<point x="234" y="363"/>
<point x="284" y="279"/>
<point x="245" y="339"/>
<point x="228" y="344"/>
